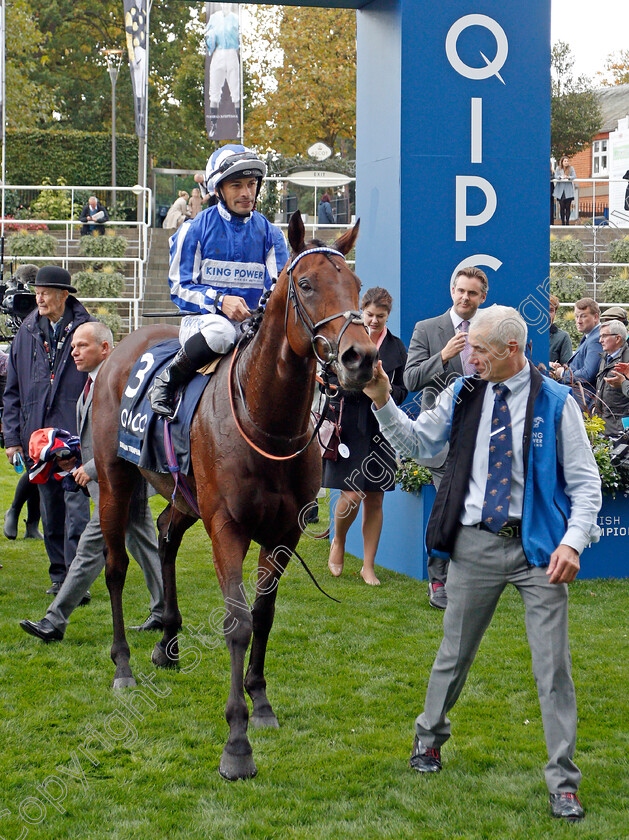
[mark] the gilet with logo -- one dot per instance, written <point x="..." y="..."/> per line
<point x="545" y="506"/>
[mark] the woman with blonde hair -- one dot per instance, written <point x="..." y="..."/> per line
<point x="178" y="212"/>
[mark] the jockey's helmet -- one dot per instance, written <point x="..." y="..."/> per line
<point x="233" y="161"/>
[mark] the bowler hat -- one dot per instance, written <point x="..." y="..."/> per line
<point x="55" y="277"/>
<point x="614" y="313"/>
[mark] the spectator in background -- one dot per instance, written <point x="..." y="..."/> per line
<point x="560" y="342"/>
<point x="612" y="400"/>
<point x="582" y="367"/>
<point x="325" y="214"/>
<point x="43" y="386"/>
<point x="438" y="354"/>
<point x="93" y="215"/>
<point x="25" y="492"/>
<point x="564" y="188"/>
<point x="195" y="205"/>
<point x="614" y="313"/>
<point x="208" y="196"/>
<point x="178" y="212"/>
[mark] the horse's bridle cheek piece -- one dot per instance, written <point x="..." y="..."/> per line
<point x="351" y="316"/>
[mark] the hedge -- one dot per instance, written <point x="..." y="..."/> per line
<point x="79" y="157"/>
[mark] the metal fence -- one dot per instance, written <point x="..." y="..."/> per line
<point x="598" y="219"/>
<point x="136" y="201"/>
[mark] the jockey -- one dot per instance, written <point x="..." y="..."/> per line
<point x="221" y="262"/>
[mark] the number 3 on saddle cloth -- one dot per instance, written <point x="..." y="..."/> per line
<point x="140" y="431"/>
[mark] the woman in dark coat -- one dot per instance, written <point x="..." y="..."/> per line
<point x="365" y="467"/>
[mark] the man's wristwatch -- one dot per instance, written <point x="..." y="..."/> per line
<point x="218" y="302"/>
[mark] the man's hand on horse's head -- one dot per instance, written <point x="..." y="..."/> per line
<point x="379" y="388"/>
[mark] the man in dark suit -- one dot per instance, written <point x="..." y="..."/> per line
<point x="91" y="345"/>
<point x="582" y="367"/>
<point x="437" y="355"/>
<point x="93" y="215"/>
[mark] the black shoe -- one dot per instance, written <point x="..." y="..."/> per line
<point x="566" y="806"/>
<point x="32" y="531"/>
<point x="85" y="599"/>
<point x="312" y="517"/>
<point x="437" y="596"/>
<point x="425" y="759"/>
<point x="151" y="623"/>
<point x="55" y="587"/>
<point x="10" y="524"/>
<point x="164" y="389"/>
<point x="43" y="629"/>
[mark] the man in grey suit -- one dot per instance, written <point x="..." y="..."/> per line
<point x="437" y="355"/>
<point x="91" y="345"/>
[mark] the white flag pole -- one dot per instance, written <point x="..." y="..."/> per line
<point x="242" y="93"/>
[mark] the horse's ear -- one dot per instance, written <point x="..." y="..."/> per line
<point x="346" y="242"/>
<point x="296" y="232"/>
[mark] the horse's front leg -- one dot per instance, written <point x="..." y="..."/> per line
<point x="271" y="566"/>
<point x="230" y="545"/>
<point x="171" y="530"/>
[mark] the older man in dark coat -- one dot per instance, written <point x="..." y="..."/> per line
<point x="612" y="402"/>
<point x="43" y="386"/>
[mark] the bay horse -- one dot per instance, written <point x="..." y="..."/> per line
<point x="242" y="494"/>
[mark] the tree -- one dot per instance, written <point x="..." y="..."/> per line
<point x="29" y="104"/>
<point x="70" y="65"/>
<point x="618" y="66"/>
<point x="308" y="91"/>
<point x="575" y="114"/>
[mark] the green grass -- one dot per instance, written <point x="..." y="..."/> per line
<point x="346" y="681"/>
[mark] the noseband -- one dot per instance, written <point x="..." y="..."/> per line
<point x="351" y="316"/>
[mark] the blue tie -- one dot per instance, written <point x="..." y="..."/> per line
<point x="498" y="488"/>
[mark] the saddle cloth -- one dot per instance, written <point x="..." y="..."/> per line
<point x="140" y="431"/>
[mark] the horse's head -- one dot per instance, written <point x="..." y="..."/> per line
<point x="322" y="310"/>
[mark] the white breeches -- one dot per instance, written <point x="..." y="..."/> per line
<point x="224" y="66"/>
<point x="219" y="333"/>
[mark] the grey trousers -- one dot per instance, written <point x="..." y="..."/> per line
<point x="481" y="567"/>
<point x="89" y="561"/>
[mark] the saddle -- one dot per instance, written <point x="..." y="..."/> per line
<point x="141" y="432"/>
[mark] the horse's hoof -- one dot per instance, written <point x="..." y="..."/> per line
<point x="160" y="658"/>
<point x="233" y="767"/>
<point x="264" y="721"/>
<point x="120" y="683"/>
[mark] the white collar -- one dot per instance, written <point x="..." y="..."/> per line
<point x="232" y="217"/>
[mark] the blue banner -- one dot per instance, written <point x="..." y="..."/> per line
<point x="465" y="117"/>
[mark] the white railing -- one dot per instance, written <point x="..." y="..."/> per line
<point x="134" y="267"/>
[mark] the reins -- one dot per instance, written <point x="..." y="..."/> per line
<point x="312" y="328"/>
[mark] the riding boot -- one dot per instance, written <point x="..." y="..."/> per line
<point x="194" y="354"/>
<point x="10" y="523"/>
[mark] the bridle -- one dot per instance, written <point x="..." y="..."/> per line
<point x="312" y="329"/>
<point x="351" y="315"/>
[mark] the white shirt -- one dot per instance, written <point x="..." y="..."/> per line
<point x="426" y="436"/>
<point x="457" y="320"/>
